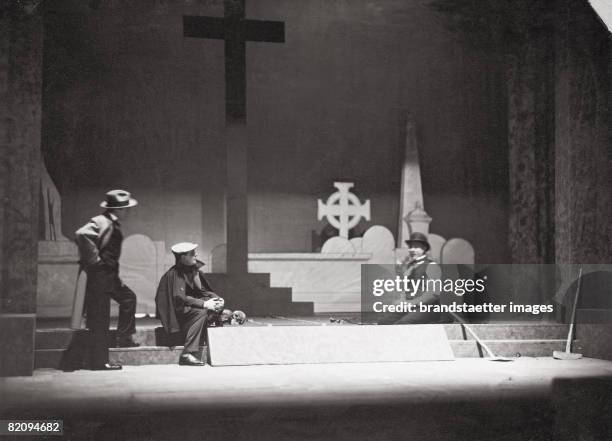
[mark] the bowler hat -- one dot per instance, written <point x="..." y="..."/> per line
<point x="418" y="239"/>
<point x="118" y="199"/>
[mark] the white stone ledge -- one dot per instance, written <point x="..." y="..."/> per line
<point x="311" y="256"/>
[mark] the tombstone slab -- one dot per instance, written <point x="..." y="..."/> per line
<point x="140" y="268"/>
<point x="57" y="274"/>
<point x="338" y="245"/>
<point x="218" y="259"/>
<point x="457" y="251"/>
<point x="379" y="242"/>
<point x="357" y="243"/>
<point x="436" y="242"/>
<point x="327" y="344"/>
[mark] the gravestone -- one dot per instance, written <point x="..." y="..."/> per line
<point x="457" y="257"/>
<point x="458" y="251"/>
<point x="343" y="209"/>
<point x="436" y="242"/>
<point x="235" y="346"/>
<point x="141" y="267"/>
<point x="338" y="245"/>
<point x="357" y="243"/>
<point x="218" y="259"/>
<point x="379" y="241"/>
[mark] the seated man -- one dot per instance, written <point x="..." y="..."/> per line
<point x="418" y="266"/>
<point x="186" y="303"/>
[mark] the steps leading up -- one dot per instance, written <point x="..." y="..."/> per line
<point x="65" y="348"/>
<point x="502" y="331"/>
<point x="262" y="299"/>
<point x="507" y="348"/>
<point x="56" y="358"/>
<point x="60" y="359"/>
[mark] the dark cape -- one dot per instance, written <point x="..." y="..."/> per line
<point x="171" y="297"/>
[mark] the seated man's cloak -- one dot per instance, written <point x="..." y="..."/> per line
<point x="171" y="298"/>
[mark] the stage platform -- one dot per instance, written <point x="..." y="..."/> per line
<point x="61" y="348"/>
<point x="466" y="399"/>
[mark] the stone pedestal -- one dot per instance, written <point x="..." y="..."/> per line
<point x="17" y="344"/>
<point x="57" y="273"/>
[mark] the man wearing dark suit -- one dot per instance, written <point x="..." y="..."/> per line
<point x="187" y="304"/>
<point x="99" y="242"/>
<point x="418" y="266"/>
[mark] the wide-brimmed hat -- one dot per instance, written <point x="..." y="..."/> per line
<point x="183" y="247"/>
<point x="418" y="239"/>
<point x="116" y="199"/>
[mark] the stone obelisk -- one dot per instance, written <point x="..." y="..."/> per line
<point x="411" y="190"/>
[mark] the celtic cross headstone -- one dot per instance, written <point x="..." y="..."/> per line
<point x="343" y="209"/>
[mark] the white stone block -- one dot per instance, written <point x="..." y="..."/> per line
<point x="327" y="344"/>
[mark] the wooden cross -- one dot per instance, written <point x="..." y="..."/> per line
<point x="236" y="31"/>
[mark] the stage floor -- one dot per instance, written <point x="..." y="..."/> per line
<point x="171" y="387"/>
<point x="451" y="397"/>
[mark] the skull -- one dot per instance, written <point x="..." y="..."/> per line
<point x="226" y="316"/>
<point x="238" y="318"/>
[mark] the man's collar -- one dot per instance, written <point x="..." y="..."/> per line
<point x="418" y="260"/>
<point x="112" y="217"/>
<point x="187" y="269"/>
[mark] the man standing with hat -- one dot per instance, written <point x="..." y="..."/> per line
<point x="99" y="243"/>
<point x="418" y="266"/>
<point x="186" y="303"/>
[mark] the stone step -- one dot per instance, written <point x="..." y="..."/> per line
<point x="59" y="338"/>
<point x="500" y="331"/>
<point x="143" y="355"/>
<point x="61" y="359"/>
<point x="594" y="316"/>
<point x="509" y="348"/>
<point x="261" y="299"/>
<point x="63" y="338"/>
<point x="283" y="307"/>
<point x="147" y="355"/>
<point x="253" y="279"/>
<point x="302" y="309"/>
<point x="277" y="292"/>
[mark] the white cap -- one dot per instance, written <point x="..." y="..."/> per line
<point x="183" y="247"/>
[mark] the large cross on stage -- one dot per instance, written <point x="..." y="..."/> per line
<point x="236" y="31"/>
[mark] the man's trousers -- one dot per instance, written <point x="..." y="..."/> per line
<point x="103" y="284"/>
<point x="193" y="321"/>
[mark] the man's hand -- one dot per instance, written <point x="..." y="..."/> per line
<point x="216" y="304"/>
